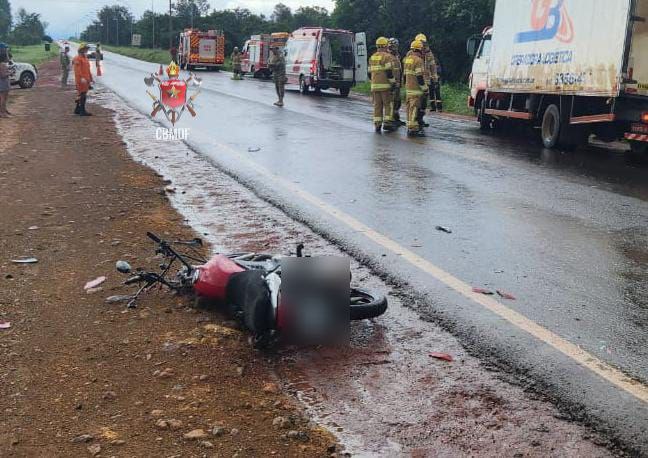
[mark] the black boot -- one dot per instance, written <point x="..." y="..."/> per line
<point x="83" y="108"/>
<point x="77" y="110"/>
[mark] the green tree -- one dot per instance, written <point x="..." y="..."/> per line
<point x="29" y="28"/>
<point x="282" y="17"/>
<point x="311" y="16"/>
<point x="112" y="26"/>
<point x="188" y="11"/>
<point x="5" y="19"/>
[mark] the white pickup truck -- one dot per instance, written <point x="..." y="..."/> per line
<point x="570" y="68"/>
<point x="22" y="74"/>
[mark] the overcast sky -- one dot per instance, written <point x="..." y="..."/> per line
<point x="68" y="17"/>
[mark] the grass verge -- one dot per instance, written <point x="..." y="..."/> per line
<point x="455" y="97"/>
<point x="33" y="54"/>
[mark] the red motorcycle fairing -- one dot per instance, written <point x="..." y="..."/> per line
<point x="213" y="277"/>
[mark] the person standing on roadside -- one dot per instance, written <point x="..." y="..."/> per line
<point x="394" y="49"/>
<point x="277" y="64"/>
<point x="174" y="54"/>
<point x="415" y="88"/>
<point x="83" y="78"/>
<point x="383" y="85"/>
<point x="98" y="59"/>
<point x="4" y="82"/>
<point x="65" y="66"/>
<point x="236" y="63"/>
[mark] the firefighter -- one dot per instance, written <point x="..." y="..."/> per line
<point x="436" y="103"/>
<point x="277" y="64"/>
<point x="236" y="63"/>
<point x="415" y="87"/>
<point x="382" y="86"/>
<point x="394" y="49"/>
<point x="98" y="59"/>
<point x="83" y="78"/>
<point x="426" y="76"/>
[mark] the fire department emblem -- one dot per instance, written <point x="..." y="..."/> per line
<point x="174" y="96"/>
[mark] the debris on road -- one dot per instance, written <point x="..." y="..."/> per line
<point x="5" y="325"/>
<point x="118" y="299"/>
<point x="483" y="291"/>
<point x="442" y="356"/>
<point x="505" y="295"/>
<point x="444" y="229"/>
<point x="254" y="149"/>
<point x="92" y="284"/>
<point x="25" y="261"/>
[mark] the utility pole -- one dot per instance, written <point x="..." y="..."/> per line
<point x="170" y="25"/>
<point x="117" y="20"/>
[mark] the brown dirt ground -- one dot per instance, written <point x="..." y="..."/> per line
<point x="73" y="364"/>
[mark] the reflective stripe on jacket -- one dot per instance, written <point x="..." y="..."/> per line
<point x="381" y="70"/>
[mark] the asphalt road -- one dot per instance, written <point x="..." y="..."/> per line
<point x="565" y="233"/>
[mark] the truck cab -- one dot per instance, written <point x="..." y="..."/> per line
<point x="320" y="59"/>
<point x="256" y="52"/>
<point x="479" y="47"/>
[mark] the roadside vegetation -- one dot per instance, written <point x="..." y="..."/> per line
<point x="455" y="96"/>
<point x="33" y="54"/>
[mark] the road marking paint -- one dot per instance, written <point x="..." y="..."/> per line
<point x="574" y="352"/>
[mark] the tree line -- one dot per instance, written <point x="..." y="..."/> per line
<point x="447" y="23"/>
<point x="28" y="29"/>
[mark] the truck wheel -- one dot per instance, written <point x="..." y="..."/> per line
<point x="639" y="148"/>
<point x="344" y="92"/>
<point x="303" y="87"/>
<point x="550" y="130"/>
<point x="27" y="80"/>
<point x="253" y="72"/>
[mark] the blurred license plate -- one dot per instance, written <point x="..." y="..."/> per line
<point x="640" y="128"/>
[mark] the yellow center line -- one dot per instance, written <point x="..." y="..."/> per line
<point x="572" y="351"/>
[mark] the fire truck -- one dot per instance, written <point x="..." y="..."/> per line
<point x="201" y="49"/>
<point x="256" y="52"/>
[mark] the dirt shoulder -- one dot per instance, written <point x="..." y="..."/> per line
<point x="133" y="382"/>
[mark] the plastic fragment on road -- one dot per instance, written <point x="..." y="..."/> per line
<point x="483" y="291"/>
<point x="442" y="356"/>
<point x="25" y="261"/>
<point x="94" y="283"/>
<point x="505" y="295"/>
<point x="444" y="229"/>
<point x="5" y="324"/>
<point x="254" y="149"/>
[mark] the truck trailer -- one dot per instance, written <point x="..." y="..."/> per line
<point x="571" y="68"/>
<point x="201" y="49"/>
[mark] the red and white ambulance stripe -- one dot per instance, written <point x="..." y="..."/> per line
<point x="636" y="137"/>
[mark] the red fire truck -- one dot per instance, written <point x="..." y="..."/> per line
<point x="256" y="52"/>
<point x="201" y="49"/>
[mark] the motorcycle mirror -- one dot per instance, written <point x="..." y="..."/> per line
<point x="123" y="267"/>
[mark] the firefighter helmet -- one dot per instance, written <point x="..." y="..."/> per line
<point x="393" y="42"/>
<point x="421" y="37"/>
<point x="382" y="41"/>
<point x="417" y="45"/>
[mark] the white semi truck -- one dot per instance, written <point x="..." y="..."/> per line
<point x="571" y="68"/>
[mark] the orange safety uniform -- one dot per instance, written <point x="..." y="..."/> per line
<point x="81" y="66"/>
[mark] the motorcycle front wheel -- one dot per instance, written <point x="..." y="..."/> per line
<point x="366" y="305"/>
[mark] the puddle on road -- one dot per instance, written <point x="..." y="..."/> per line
<point x="384" y="395"/>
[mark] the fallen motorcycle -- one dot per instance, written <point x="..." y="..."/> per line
<point x="248" y="285"/>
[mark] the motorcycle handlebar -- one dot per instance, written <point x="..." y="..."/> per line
<point x="133" y="280"/>
<point x="154" y="237"/>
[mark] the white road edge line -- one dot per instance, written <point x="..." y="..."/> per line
<point x="572" y="351"/>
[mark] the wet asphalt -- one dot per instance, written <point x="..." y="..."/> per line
<point x="565" y="233"/>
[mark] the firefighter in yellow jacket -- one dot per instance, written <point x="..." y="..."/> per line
<point x="394" y="49"/>
<point x="426" y="77"/>
<point x="383" y="83"/>
<point x="415" y="87"/>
